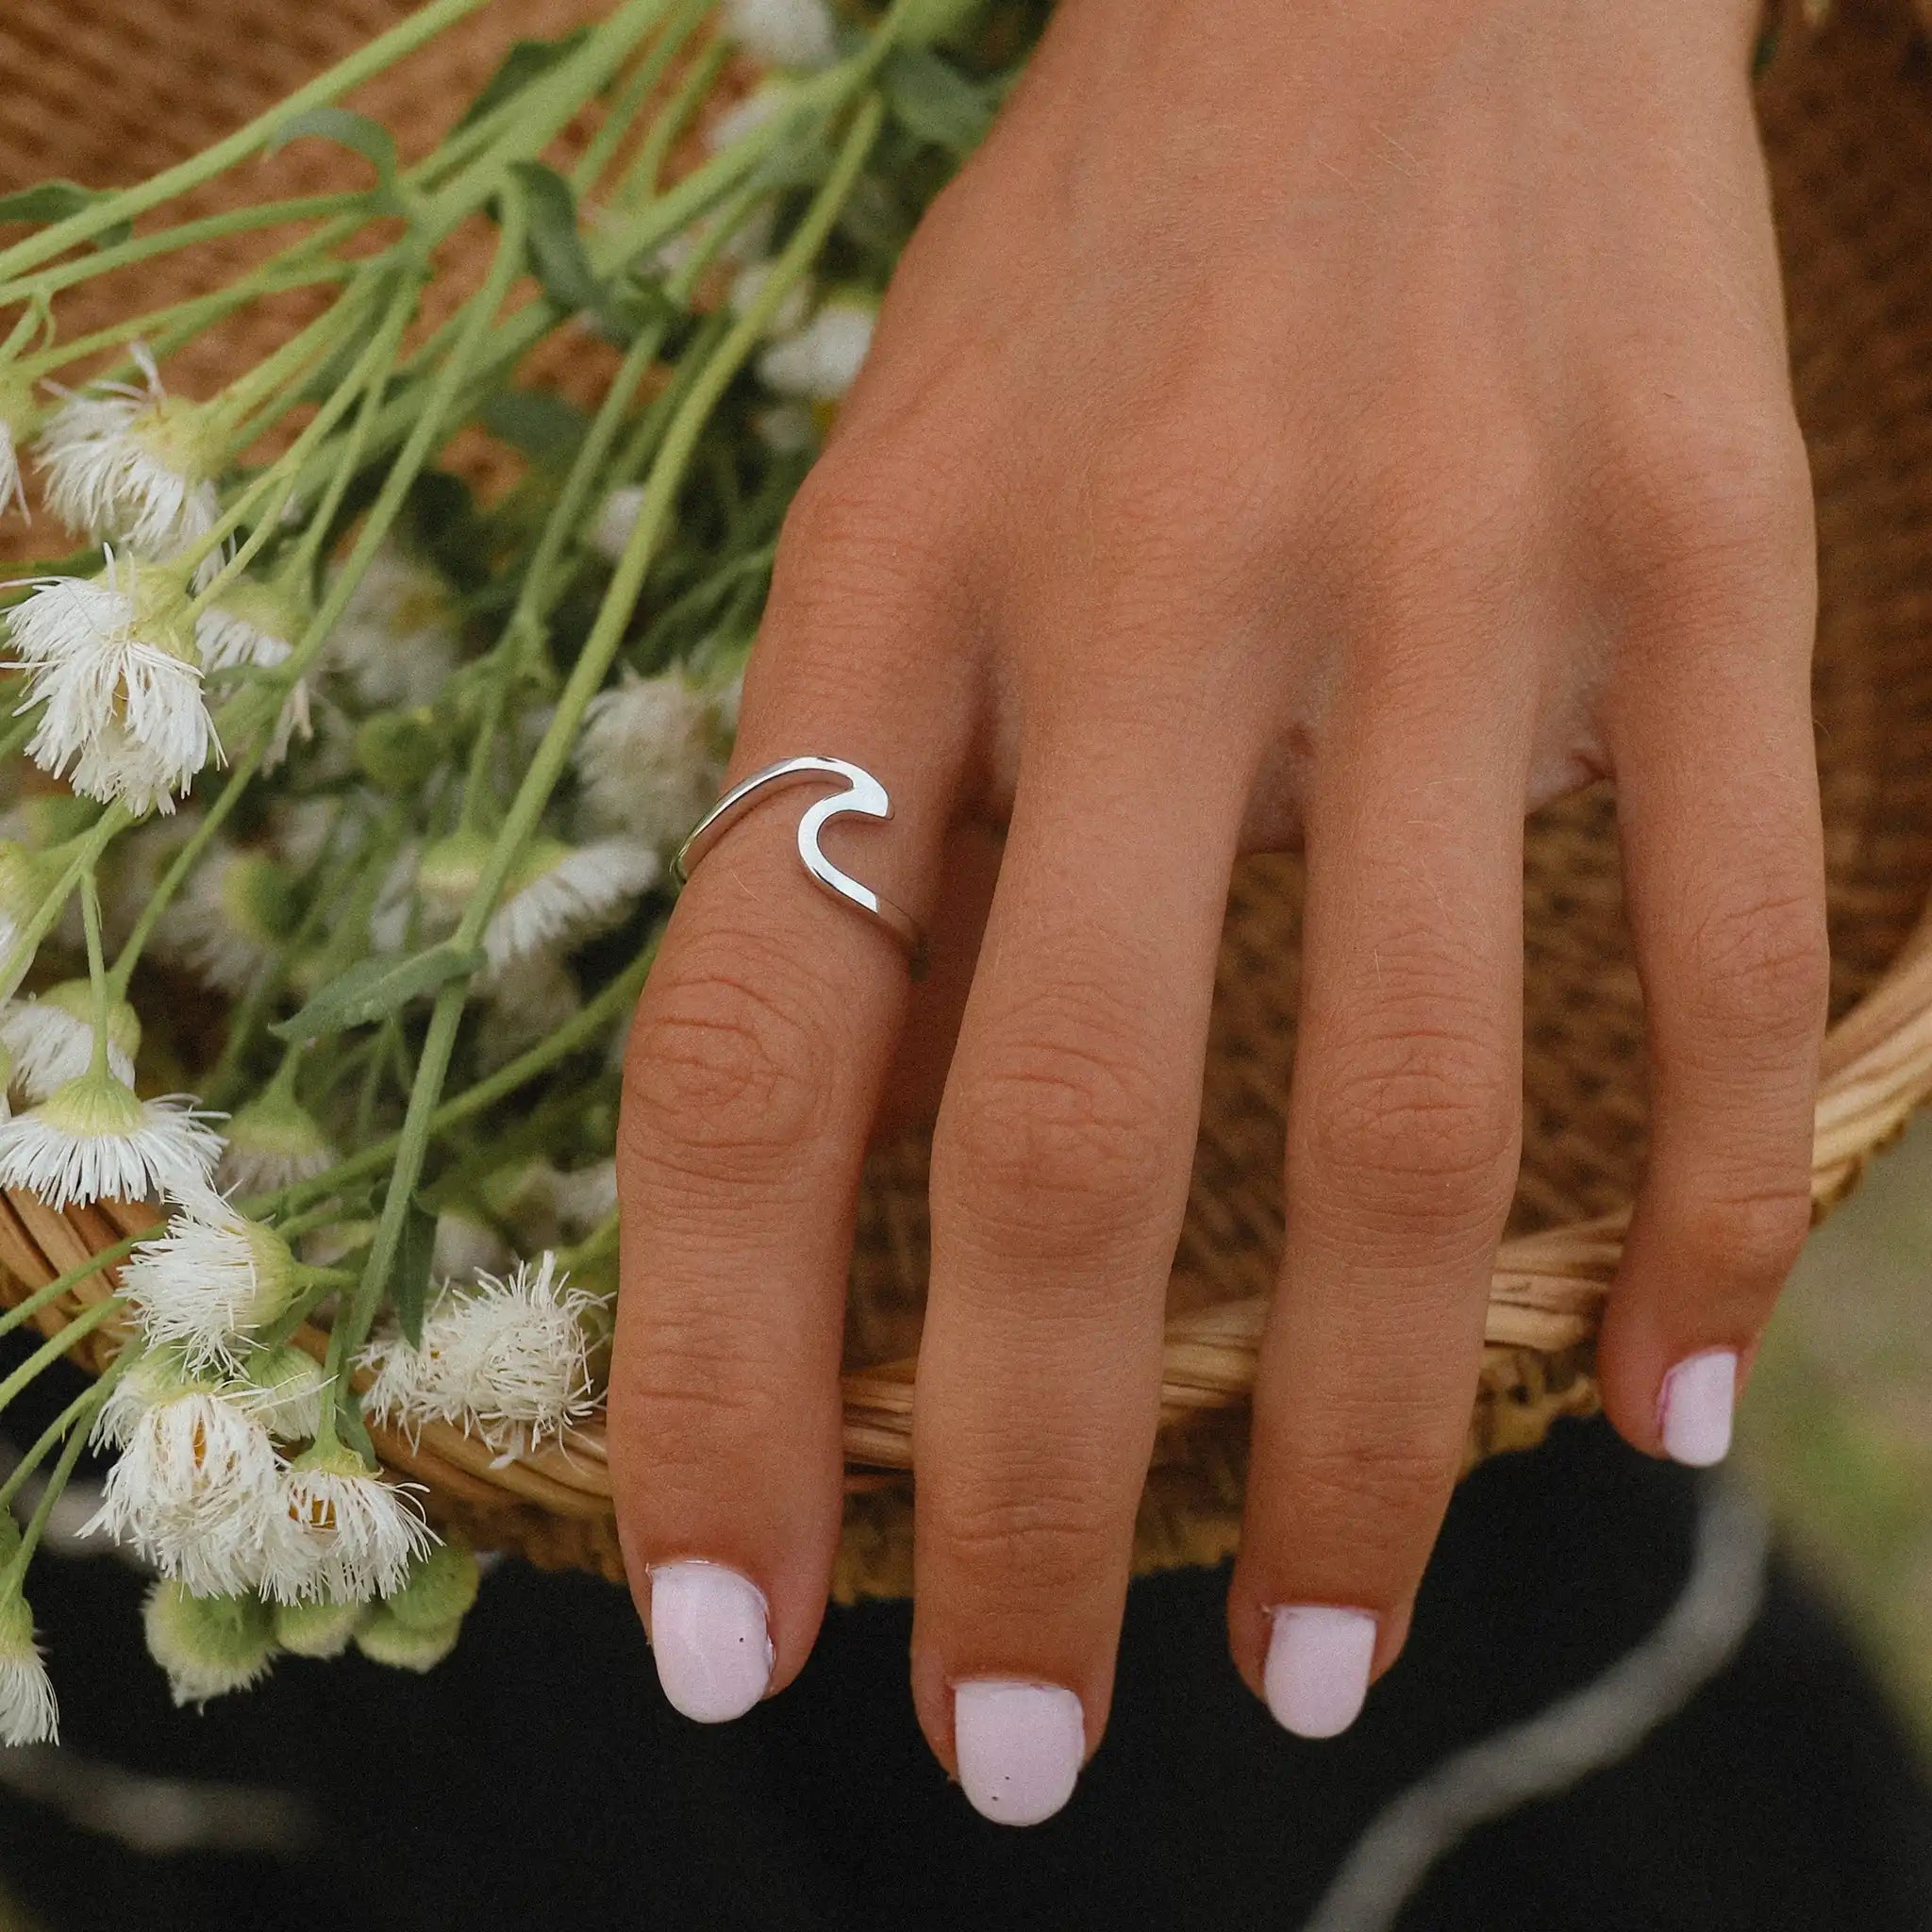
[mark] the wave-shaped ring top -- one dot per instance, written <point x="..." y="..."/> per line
<point x="863" y="794"/>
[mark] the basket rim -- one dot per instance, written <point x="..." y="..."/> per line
<point x="1547" y="1295"/>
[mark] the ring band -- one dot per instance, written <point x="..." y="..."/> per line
<point x="862" y="793"/>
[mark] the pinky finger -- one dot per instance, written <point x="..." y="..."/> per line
<point x="1718" y="796"/>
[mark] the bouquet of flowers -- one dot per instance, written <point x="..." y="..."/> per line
<point x="344" y="752"/>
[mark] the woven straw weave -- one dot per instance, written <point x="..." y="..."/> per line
<point x="105" y="90"/>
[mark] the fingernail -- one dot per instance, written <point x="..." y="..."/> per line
<point x="1020" y="1748"/>
<point x="709" y="1636"/>
<point x="1695" y="1408"/>
<point x="1317" y="1673"/>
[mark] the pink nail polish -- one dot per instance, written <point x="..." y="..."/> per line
<point x="709" y="1634"/>
<point x="1020" y="1748"/>
<point x="1694" y="1409"/>
<point x="1317" y="1673"/>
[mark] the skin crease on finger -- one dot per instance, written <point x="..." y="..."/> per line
<point x="1269" y="376"/>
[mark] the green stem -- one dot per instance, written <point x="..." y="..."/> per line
<point x="26" y="1310"/>
<point x="52" y="1350"/>
<point x="85" y="1407"/>
<point x="524" y="630"/>
<point x="96" y="971"/>
<point x="649" y="166"/>
<point x="268" y="494"/>
<point x="587" y="676"/>
<point x="381" y="515"/>
<point x="582" y="1029"/>
<point x="166" y="329"/>
<point x="85" y="850"/>
<point x="638" y="87"/>
<point x="381" y="53"/>
<point x="240" y="221"/>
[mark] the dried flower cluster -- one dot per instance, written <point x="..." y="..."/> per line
<point x="341" y="791"/>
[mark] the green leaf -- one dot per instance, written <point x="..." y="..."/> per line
<point x="409" y="1277"/>
<point x="527" y="61"/>
<point x="54" y="201"/>
<point x="372" y="988"/>
<point x="558" y="258"/>
<point x="935" y="101"/>
<point x="545" y="427"/>
<point x="360" y="135"/>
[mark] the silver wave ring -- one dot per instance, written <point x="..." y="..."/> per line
<point x="862" y="795"/>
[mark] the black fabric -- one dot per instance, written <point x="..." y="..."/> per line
<point x="537" y="1779"/>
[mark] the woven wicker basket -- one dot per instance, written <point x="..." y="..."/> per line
<point x="102" y="90"/>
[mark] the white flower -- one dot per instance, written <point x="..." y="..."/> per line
<point x="29" y="1713"/>
<point x="616" y="519"/>
<point x="819" y="363"/>
<point x="783" y="33"/>
<point x="543" y="1206"/>
<point x="302" y="829"/>
<point x="254" y="626"/>
<point x="208" y="1280"/>
<point x="132" y="465"/>
<point x="557" y="896"/>
<point x="112" y="663"/>
<point x="325" y="1247"/>
<point x="52" y="1039"/>
<point x="466" y="1245"/>
<point x="785" y="429"/>
<point x="130" y="871"/>
<point x="340" y="1531"/>
<point x="283" y="1388"/>
<point x="396" y="638"/>
<point x="749" y="238"/>
<point x="389" y="918"/>
<point x="651" y="757"/>
<point x="12" y="492"/>
<point x="741" y="116"/>
<point x="507" y="1360"/>
<point x="25" y="882"/>
<point x="561" y="895"/>
<point x="587" y="1197"/>
<point x="525" y="1002"/>
<point x="96" y="1139"/>
<point x="272" y="1142"/>
<point x="210" y="1642"/>
<point x="195" y="1488"/>
<point x="228" y="923"/>
<point x="791" y="314"/>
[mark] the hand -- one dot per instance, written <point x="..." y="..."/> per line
<point x="1326" y="424"/>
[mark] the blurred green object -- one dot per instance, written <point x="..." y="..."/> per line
<point x="1836" y="1429"/>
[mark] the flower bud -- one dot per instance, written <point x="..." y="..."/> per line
<point x="317" y="1629"/>
<point x="385" y="1638"/>
<point x="208" y="1645"/>
<point x="438" y="1590"/>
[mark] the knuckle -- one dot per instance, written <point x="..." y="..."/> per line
<point x="1435" y="496"/>
<point x="1749" y="1239"/>
<point x="1710" y="507"/>
<point x="1422" y="1108"/>
<point x="1042" y="1539"/>
<point x="864" y="533"/>
<point x="1377" y="1495"/>
<point x="688" y="1386"/>
<point x="1762" y="976"/>
<point x="727" y="1067"/>
<point x="1189" y="497"/>
<point x="1058" y="1135"/>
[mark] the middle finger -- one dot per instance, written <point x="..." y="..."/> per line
<point x="1061" y="1173"/>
